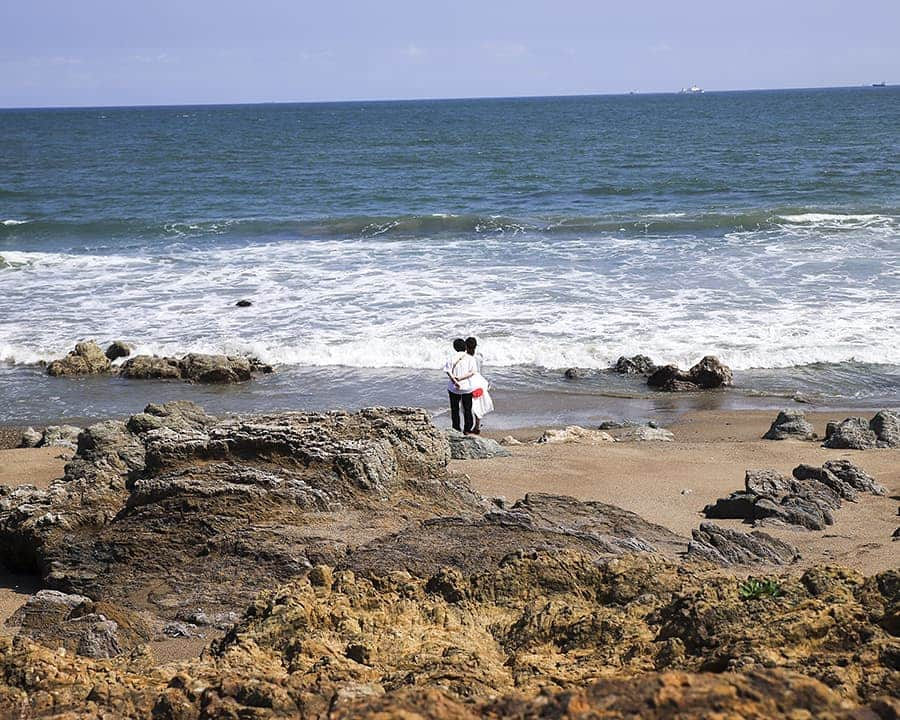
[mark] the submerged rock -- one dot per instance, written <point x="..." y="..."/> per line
<point x="790" y="425"/>
<point x="86" y="359"/>
<point x="194" y="367"/>
<point x="572" y="373"/>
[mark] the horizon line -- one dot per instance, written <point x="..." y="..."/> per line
<point x="433" y="98"/>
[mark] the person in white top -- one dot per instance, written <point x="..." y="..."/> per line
<point x="481" y="398"/>
<point x="460" y="369"/>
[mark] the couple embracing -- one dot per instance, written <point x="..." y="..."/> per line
<point x="467" y="387"/>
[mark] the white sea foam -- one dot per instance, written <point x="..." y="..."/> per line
<point x="15" y="222"/>
<point x="766" y="298"/>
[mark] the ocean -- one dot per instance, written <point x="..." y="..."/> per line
<point x="761" y="227"/>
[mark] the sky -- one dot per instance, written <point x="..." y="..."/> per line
<point x="151" y="52"/>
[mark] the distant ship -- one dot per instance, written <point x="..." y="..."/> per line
<point x="692" y="89"/>
<point x="881" y="84"/>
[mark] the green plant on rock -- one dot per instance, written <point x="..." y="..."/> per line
<point x="754" y="589"/>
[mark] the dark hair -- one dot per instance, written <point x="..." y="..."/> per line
<point x="471" y="344"/>
<point x="459" y="344"/>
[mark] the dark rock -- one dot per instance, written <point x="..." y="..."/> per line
<point x="854" y="476"/>
<point x="729" y="547"/>
<point x="792" y="510"/>
<point x="572" y="373"/>
<point x="118" y="349"/>
<point x="737" y="506"/>
<point x="826" y="477"/>
<point x="473" y="447"/>
<point x="767" y="482"/>
<point x="86" y="359"/>
<point x="790" y="425"/>
<point x="710" y="373"/>
<point x="886" y="426"/>
<point x="635" y="365"/>
<point x="666" y="374"/>
<point x="830" y="427"/>
<point x="194" y="367"/>
<point x="852" y="434"/>
<point x="243" y="303"/>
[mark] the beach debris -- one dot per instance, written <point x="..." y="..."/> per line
<point x="510" y="440"/>
<point x="855" y="433"/>
<point x="243" y="303"/>
<point x="86" y="359"/>
<point x="635" y="365"/>
<point x="707" y="374"/>
<point x="790" y="425"/>
<point x="118" y="349"/>
<point x="473" y="447"/>
<point x="194" y="367"/>
<point x="573" y="434"/>
<point x="808" y="499"/>
<point x="731" y="547"/>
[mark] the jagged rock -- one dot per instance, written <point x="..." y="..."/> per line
<point x="31" y="438"/>
<point x="473" y="447"/>
<point x="644" y="433"/>
<point x="118" y="349"/>
<point x="823" y="475"/>
<point x="851" y="434"/>
<point x="572" y="373"/>
<point x="635" y="365"/>
<point x="573" y="434"/>
<point x="729" y="547"/>
<point x="181" y="416"/>
<point x="854" y="476"/>
<point x="886" y="426"/>
<point x="707" y="374"/>
<point x="792" y="510"/>
<point x="86" y="359"/>
<point x="767" y="482"/>
<point x="45" y="609"/>
<point x="790" y="425"/>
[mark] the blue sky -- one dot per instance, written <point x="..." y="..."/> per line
<point x="100" y="52"/>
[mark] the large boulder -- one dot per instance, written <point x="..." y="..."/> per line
<point x="147" y="367"/>
<point x="194" y="367"/>
<point x="790" y="425"/>
<point x="886" y="426"/>
<point x="86" y="359"/>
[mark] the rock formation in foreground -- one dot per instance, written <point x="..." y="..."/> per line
<point x="388" y="586"/>
<point x="86" y="359"/>
<point x="707" y="374"/>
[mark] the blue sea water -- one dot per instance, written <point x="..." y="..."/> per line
<point x="762" y="227"/>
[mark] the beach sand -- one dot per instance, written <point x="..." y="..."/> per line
<point x="666" y="483"/>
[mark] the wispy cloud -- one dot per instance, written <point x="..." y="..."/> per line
<point x="506" y="51"/>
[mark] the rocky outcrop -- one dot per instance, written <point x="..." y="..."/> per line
<point x="790" y="425"/>
<point x="473" y="447"/>
<point x="730" y="547"/>
<point x="707" y="374"/>
<point x="644" y="433"/>
<point x="855" y="433"/>
<point x="635" y="365"/>
<point x="194" y="367"/>
<point x="807" y="500"/>
<point x="118" y="349"/>
<point x="86" y="359"/>
<point x="573" y="434"/>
